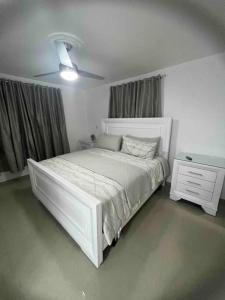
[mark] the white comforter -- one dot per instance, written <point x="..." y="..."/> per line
<point x="120" y="181"/>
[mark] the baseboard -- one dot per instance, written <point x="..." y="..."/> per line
<point x="6" y="176"/>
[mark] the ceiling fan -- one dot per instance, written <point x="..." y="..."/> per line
<point x="67" y="69"/>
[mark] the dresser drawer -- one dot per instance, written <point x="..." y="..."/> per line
<point x="193" y="191"/>
<point x="196" y="182"/>
<point x="197" y="173"/>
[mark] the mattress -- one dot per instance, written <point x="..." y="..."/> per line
<point x="120" y="181"/>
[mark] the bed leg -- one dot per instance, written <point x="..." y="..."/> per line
<point x="114" y="242"/>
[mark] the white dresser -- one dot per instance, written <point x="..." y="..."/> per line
<point x="199" y="180"/>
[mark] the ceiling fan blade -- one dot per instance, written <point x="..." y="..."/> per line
<point x="63" y="54"/>
<point x="89" y="75"/>
<point x="46" y="74"/>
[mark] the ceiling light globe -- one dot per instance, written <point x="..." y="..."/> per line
<point x="69" y="75"/>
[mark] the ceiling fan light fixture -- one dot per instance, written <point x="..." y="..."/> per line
<point x="69" y="74"/>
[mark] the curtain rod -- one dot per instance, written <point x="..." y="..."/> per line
<point x="28" y="83"/>
<point x="137" y="79"/>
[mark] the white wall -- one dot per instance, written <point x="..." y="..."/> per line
<point x="193" y="95"/>
<point x="75" y="114"/>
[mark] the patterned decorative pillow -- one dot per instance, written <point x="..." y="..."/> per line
<point x="139" y="148"/>
<point x="152" y="140"/>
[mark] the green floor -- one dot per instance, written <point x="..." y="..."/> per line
<point x="168" y="251"/>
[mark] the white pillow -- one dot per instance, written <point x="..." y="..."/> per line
<point x="139" y="148"/>
<point x="109" y="141"/>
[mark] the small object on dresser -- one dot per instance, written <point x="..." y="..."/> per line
<point x="188" y="157"/>
<point x="199" y="180"/>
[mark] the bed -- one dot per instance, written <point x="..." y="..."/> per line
<point x="94" y="193"/>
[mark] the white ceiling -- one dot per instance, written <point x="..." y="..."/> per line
<point x="122" y="38"/>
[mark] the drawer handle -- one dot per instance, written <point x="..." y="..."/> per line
<point x="195" y="183"/>
<point x="190" y="191"/>
<point x="195" y="173"/>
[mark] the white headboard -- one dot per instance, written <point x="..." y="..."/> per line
<point x="141" y="127"/>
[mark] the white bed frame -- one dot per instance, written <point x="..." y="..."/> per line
<point x="79" y="212"/>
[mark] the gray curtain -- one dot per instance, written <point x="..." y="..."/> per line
<point x="138" y="99"/>
<point x="32" y="123"/>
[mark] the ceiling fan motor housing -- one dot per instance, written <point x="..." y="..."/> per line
<point x="70" y="40"/>
<point x="63" y="67"/>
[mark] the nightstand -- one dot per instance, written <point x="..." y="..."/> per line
<point x="86" y="144"/>
<point x="199" y="180"/>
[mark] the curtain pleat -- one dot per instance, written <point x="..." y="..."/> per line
<point x="32" y="123"/>
<point x="138" y="99"/>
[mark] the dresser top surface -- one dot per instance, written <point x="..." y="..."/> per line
<point x="202" y="159"/>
